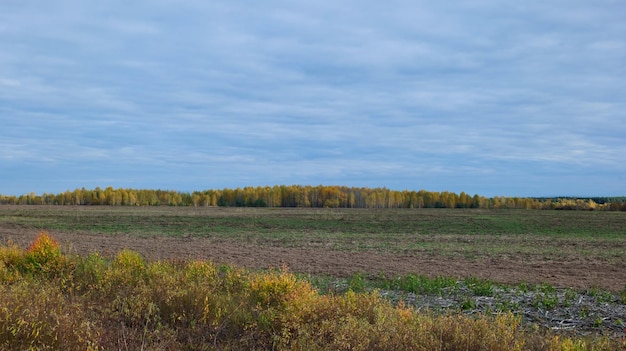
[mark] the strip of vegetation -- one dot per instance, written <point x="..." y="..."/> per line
<point x="309" y="196"/>
<point x="587" y="311"/>
<point x="54" y="301"/>
<point x="468" y="234"/>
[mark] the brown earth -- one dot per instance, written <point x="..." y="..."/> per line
<point x="575" y="272"/>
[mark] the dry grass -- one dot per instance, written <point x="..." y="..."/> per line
<point x="52" y="301"/>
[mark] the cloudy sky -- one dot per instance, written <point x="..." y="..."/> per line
<point x="523" y="98"/>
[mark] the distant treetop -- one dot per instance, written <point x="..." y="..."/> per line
<point x="310" y="196"/>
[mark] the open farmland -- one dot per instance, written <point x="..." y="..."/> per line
<point x="577" y="249"/>
<point x="559" y="269"/>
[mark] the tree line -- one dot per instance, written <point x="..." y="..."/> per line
<point x="308" y="196"/>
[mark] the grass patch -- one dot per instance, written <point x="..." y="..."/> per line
<point x="480" y="287"/>
<point x="420" y="284"/>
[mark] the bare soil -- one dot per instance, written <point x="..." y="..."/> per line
<point x="565" y="272"/>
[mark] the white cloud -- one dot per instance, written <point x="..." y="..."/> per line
<point x="297" y="91"/>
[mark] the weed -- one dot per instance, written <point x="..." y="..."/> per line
<point x="421" y="284"/>
<point x="480" y="287"/>
<point x="601" y="296"/>
<point x="569" y="297"/>
<point x="584" y="312"/>
<point x="598" y="322"/>
<point x="356" y="282"/>
<point x="468" y="304"/>
<point x="546" y="288"/>
<point x="382" y="282"/>
<point x="127" y="303"/>
<point x="523" y="287"/>
<point x="548" y="301"/>
<point x="507" y="306"/>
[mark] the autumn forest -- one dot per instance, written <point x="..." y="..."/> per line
<point x="307" y="196"/>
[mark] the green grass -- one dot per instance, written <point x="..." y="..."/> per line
<point x="480" y="287"/>
<point x="466" y="233"/>
<point x="346" y="222"/>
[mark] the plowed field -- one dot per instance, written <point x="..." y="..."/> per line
<point x="564" y="248"/>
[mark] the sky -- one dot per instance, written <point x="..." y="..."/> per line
<point x="524" y="98"/>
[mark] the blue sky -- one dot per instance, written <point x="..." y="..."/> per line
<point x="489" y="97"/>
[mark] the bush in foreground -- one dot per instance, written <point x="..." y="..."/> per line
<point x="52" y="301"/>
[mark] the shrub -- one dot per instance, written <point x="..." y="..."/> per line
<point x="129" y="261"/>
<point x="43" y="256"/>
<point x="11" y="255"/>
<point x="127" y="271"/>
<point x="280" y="305"/>
<point x="127" y="303"/>
<point x="36" y="315"/>
<point x="11" y="258"/>
<point x="558" y="343"/>
<point x="90" y="271"/>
